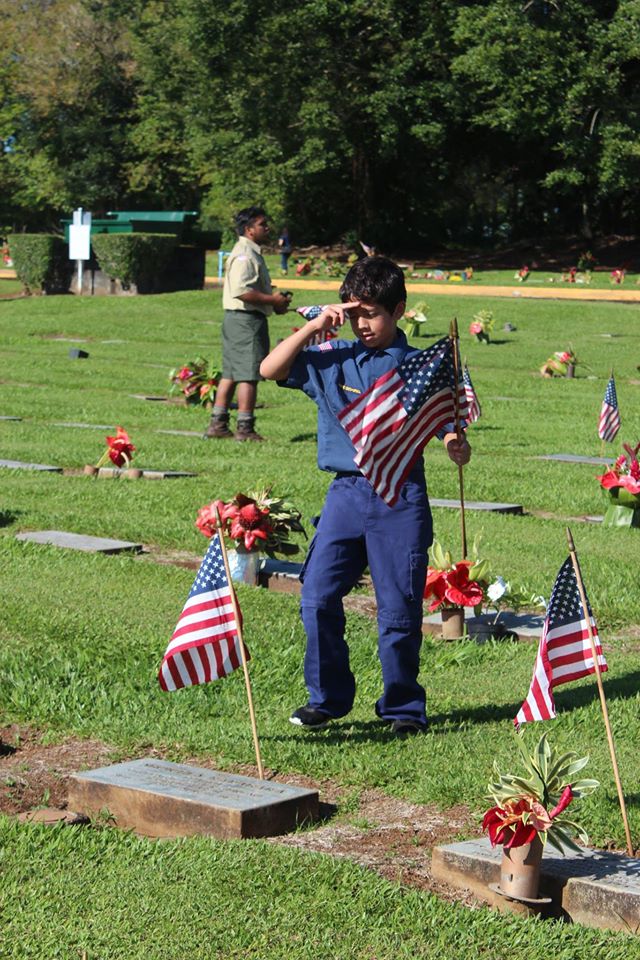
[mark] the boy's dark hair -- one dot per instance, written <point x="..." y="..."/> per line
<point x="245" y="217"/>
<point x="377" y="280"/>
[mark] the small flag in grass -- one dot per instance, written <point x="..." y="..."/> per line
<point x="205" y="644"/>
<point x="609" y="423"/>
<point x="472" y="398"/>
<point x="564" y="652"/>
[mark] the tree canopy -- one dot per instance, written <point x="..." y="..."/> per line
<point x="405" y="122"/>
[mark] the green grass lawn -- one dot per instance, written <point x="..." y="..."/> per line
<point x="81" y="636"/>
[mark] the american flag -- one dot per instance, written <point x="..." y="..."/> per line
<point x="391" y="423"/>
<point x="205" y="644"/>
<point x="564" y="652"/>
<point x="310" y="313"/>
<point x="609" y="414"/>
<point x="472" y="400"/>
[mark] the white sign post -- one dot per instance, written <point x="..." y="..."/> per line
<point x="80" y="241"/>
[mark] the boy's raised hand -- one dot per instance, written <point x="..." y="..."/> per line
<point x="334" y="316"/>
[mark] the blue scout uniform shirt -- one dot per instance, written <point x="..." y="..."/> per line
<point x="333" y="374"/>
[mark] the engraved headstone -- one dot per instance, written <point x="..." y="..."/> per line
<point x="78" y="541"/>
<point x="161" y="799"/>
<point x="10" y="418"/>
<point x="180" y="433"/>
<point x="84" y="426"/>
<point x="574" y="458"/>
<point x="592" y="887"/>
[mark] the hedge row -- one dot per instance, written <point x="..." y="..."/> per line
<point x="42" y="260"/>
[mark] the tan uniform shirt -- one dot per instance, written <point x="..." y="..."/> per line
<point x="246" y="270"/>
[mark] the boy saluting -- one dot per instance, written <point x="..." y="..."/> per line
<point x="357" y="528"/>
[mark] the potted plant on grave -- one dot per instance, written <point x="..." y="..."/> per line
<point x="622" y="483"/>
<point x="197" y="381"/>
<point x="256" y="523"/>
<point x="561" y="364"/>
<point x="482" y="325"/>
<point x="414" y="318"/>
<point x="450" y="587"/>
<point x="529" y="810"/>
<point x="120" y="452"/>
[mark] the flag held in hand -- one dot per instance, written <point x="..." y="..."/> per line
<point x="205" y="644"/>
<point x="564" y="652"/>
<point x="391" y="423"/>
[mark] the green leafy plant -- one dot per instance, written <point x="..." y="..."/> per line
<point x="534" y="803"/>
<point x="133" y="258"/>
<point x="197" y="380"/>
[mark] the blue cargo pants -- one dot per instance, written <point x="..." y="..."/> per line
<point x="358" y="529"/>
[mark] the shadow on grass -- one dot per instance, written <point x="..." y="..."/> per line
<point x="340" y="732"/>
<point x="7" y="517"/>
<point x="620" y="688"/>
<point x="301" y="437"/>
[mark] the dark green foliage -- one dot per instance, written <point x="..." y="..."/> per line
<point x="134" y="258"/>
<point x="41" y="262"/>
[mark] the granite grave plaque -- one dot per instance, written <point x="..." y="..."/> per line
<point x="478" y="505"/>
<point x="19" y="465"/>
<point x="161" y="799"/>
<point x="78" y="541"/>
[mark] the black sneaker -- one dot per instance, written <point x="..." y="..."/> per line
<point x="407" y="728"/>
<point x="310" y="718"/>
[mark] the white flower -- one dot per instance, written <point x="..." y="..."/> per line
<point x="497" y="589"/>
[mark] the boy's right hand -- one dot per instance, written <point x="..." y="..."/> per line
<point x="334" y="316"/>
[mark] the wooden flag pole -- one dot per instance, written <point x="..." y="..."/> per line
<point x="603" y="701"/>
<point x="245" y="668"/>
<point x="454" y="337"/>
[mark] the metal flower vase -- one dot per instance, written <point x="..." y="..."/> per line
<point x="452" y="623"/>
<point x="244" y="566"/>
<point x="520" y="871"/>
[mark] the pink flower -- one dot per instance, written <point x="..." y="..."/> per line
<point x="475" y="327"/>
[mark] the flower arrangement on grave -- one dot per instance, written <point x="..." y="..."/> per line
<point x="414" y="318"/>
<point x="560" y="364"/>
<point x="622" y="483"/>
<point x="532" y="805"/>
<point x="522" y="274"/>
<point x="617" y="276"/>
<point x="502" y="595"/>
<point x="455" y="584"/>
<point x="255" y="522"/>
<point x="482" y="325"/>
<point x="303" y="268"/>
<point x="119" y="451"/>
<point x="197" y="380"/>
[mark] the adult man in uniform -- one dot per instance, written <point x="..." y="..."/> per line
<point x="248" y="300"/>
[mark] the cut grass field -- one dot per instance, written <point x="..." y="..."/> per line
<point x="81" y="636"/>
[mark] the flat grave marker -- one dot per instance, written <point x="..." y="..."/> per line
<point x="593" y="887"/>
<point x="79" y="541"/>
<point x="478" y="505"/>
<point x="144" y="396"/>
<point x="10" y="418"/>
<point x="181" y="433"/>
<point x="107" y="473"/>
<point x="84" y="426"/>
<point x="19" y="465"/>
<point x="574" y="458"/>
<point x="525" y="625"/>
<point x="161" y="799"/>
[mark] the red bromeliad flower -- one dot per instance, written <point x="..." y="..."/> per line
<point x="242" y="519"/>
<point x="518" y="820"/>
<point x="452" y="587"/>
<point x="625" y="472"/>
<point x="120" y="448"/>
<point x="475" y="327"/>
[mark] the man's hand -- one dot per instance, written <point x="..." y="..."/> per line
<point x="281" y="302"/>
<point x="459" y="450"/>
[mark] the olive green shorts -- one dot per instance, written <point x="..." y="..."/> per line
<point x="245" y="344"/>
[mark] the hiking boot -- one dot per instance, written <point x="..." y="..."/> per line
<point x="218" y="429"/>
<point x="310" y="718"/>
<point x="245" y="430"/>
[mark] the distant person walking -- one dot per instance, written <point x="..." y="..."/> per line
<point x="248" y="299"/>
<point x="285" y="248"/>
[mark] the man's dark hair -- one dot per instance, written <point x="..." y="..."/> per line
<point x="376" y="280"/>
<point x="245" y="217"/>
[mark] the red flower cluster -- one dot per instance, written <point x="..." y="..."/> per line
<point x="452" y="587"/>
<point x="120" y="447"/>
<point x="241" y="519"/>
<point x="625" y="472"/>
<point x="518" y="820"/>
<point x="475" y="327"/>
